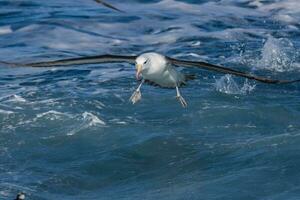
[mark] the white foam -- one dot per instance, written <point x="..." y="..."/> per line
<point x="256" y="3"/>
<point x="52" y="114"/>
<point x="5" y="30"/>
<point x="99" y="104"/>
<point x="118" y="121"/>
<point x="227" y="85"/>
<point x="278" y="55"/>
<point x="116" y="42"/>
<point x="4" y="193"/>
<point x="29" y="28"/>
<point x="177" y="5"/>
<point x="7" y="112"/>
<point x="287" y="11"/>
<point x="194" y="55"/>
<point x="93" y="119"/>
<point x="16" y="98"/>
<point x="247" y="88"/>
<point x="291" y="6"/>
<point x="205" y="9"/>
<point x="195" y="43"/>
<point x="286" y="18"/>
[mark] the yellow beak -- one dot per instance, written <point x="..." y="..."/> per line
<point x="138" y="71"/>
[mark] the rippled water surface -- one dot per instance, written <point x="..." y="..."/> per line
<point x="70" y="133"/>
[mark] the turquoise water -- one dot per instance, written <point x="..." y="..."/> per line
<point x="70" y="133"/>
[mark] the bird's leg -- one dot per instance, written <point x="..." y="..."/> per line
<point x="136" y="96"/>
<point x="180" y="98"/>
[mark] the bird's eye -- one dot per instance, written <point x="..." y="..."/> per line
<point x="146" y="61"/>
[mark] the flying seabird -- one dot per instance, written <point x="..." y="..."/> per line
<point x="156" y="69"/>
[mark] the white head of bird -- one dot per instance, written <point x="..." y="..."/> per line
<point x="148" y="64"/>
<point x="140" y="65"/>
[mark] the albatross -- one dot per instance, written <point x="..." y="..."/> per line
<point x="154" y="68"/>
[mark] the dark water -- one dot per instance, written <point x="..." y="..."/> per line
<point x="70" y="133"/>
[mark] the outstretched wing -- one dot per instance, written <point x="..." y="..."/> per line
<point x="108" y="5"/>
<point x="77" y="61"/>
<point x="224" y="70"/>
<point x="131" y="59"/>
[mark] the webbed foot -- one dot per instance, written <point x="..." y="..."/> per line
<point x="136" y="96"/>
<point x="182" y="101"/>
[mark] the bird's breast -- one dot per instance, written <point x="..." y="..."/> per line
<point x="165" y="77"/>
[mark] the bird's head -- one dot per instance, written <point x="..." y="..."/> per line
<point x="141" y="64"/>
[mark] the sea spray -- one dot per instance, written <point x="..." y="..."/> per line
<point x="227" y="85"/>
<point x="277" y="55"/>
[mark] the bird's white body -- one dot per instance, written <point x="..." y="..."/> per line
<point x="157" y="70"/>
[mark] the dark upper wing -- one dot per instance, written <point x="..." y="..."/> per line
<point x="77" y="61"/>
<point x="211" y="67"/>
<point x="108" y="5"/>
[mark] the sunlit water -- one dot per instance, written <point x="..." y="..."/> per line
<point x="70" y="133"/>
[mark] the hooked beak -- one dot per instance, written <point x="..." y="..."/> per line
<point x="138" y="71"/>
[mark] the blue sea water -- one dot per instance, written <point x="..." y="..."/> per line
<point x="70" y="133"/>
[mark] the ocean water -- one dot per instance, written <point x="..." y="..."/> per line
<point x="70" y="133"/>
